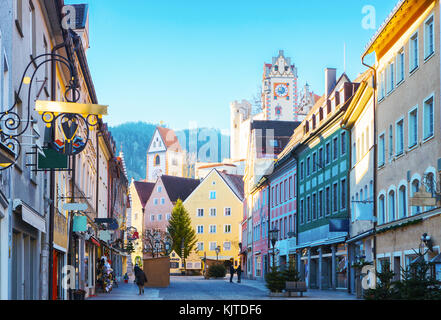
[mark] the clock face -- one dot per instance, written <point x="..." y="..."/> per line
<point x="281" y="90"/>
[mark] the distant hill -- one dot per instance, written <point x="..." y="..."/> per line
<point x="134" y="137"/>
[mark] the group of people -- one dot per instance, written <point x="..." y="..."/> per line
<point x="233" y="271"/>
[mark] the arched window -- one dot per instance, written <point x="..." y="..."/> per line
<point x="402" y="202"/>
<point x="391" y="211"/>
<point x="157" y="160"/>
<point x="415" y="189"/>
<point x="381" y="210"/>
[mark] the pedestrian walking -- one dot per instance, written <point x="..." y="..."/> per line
<point x="239" y="272"/>
<point x="231" y="272"/>
<point x="140" y="279"/>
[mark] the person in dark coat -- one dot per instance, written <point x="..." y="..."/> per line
<point x="140" y="279"/>
<point x="231" y="272"/>
<point x="239" y="272"/>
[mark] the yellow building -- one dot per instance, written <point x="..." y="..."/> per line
<point x="216" y="210"/>
<point x="139" y="194"/>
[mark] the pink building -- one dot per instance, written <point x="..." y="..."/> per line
<point x="166" y="192"/>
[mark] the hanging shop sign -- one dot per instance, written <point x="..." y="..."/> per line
<point x="79" y="224"/>
<point x="104" y="235"/>
<point x="338" y="225"/>
<point x="75" y="206"/>
<point x="422" y="198"/>
<point x="107" y="223"/>
<point x="52" y="160"/>
<point x="7" y="156"/>
<point x="70" y="116"/>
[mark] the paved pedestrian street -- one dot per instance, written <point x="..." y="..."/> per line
<point x="197" y="288"/>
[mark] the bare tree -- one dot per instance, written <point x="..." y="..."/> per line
<point x="156" y="242"/>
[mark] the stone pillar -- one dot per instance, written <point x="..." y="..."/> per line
<point x="44" y="272"/>
<point x="334" y="269"/>
<point x="320" y="268"/>
<point x="308" y="276"/>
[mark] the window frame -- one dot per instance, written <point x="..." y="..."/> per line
<point x="397" y="138"/>
<point x="428" y="55"/>
<point x="409" y="131"/>
<point x="412" y="52"/>
<point x="425" y="136"/>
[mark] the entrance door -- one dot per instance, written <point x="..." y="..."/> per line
<point x="397" y="268"/>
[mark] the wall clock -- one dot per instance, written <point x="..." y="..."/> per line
<point x="281" y="90"/>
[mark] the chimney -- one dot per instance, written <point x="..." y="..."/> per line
<point x="330" y="80"/>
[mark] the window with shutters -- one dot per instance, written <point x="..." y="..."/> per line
<point x="413" y="127"/>
<point x="428" y="118"/>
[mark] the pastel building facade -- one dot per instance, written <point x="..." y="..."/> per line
<point x="215" y="209"/>
<point x="407" y="64"/>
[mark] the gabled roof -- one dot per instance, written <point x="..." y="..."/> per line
<point x="179" y="188"/>
<point x="170" y="139"/>
<point x="144" y="190"/>
<point x="235" y="182"/>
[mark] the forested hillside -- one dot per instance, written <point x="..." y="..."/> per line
<point x="134" y="137"/>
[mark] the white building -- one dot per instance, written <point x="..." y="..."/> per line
<point x="164" y="155"/>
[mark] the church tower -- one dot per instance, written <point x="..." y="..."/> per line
<point x="280" y="101"/>
<point x="164" y="155"/>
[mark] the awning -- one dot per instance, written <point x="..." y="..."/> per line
<point x="361" y="236"/>
<point x="95" y="241"/>
<point x="319" y="243"/>
<point x="30" y="216"/>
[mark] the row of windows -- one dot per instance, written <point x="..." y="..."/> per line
<point x="213" y="245"/>
<point x="324" y="202"/>
<point x="213" y="228"/>
<point x="394" y="204"/>
<point x="394" y="73"/>
<point x="362" y="201"/>
<point x="159" y="217"/>
<point x="283" y="191"/>
<point x="397" y="148"/>
<point x="285" y="226"/>
<point x="156" y="201"/>
<point x="320" y="159"/>
<point x="213" y="212"/>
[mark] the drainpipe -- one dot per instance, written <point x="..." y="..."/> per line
<point x="348" y="196"/>
<point x="374" y="85"/>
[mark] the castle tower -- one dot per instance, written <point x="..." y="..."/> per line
<point x="239" y="112"/>
<point x="280" y="100"/>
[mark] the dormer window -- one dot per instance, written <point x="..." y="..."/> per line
<point x="286" y="68"/>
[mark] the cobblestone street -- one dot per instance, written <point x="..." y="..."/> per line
<point x="197" y="288"/>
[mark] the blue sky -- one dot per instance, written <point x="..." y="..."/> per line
<point x="182" y="61"/>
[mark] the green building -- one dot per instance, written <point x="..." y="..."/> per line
<point x="323" y="157"/>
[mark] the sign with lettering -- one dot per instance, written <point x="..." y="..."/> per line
<point x="422" y="198"/>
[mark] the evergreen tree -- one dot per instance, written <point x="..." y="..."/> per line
<point x="275" y="281"/>
<point x="385" y="288"/>
<point x="418" y="283"/>
<point x="290" y="273"/>
<point x="180" y="230"/>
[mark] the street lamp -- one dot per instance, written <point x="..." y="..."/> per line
<point x="217" y="252"/>
<point x="273" y="236"/>
<point x="157" y="248"/>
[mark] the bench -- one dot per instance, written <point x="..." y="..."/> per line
<point x="292" y="286"/>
